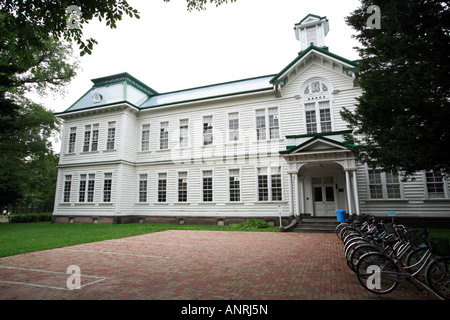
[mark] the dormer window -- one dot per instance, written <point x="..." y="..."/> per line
<point x="96" y="98"/>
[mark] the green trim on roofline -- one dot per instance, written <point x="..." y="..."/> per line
<point x="121" y="77"/>
<point x="314" y="137"/>
<point x="303" y="53"/>
<point x="207" y="98"/>
<point x="310" y="15"/>
<point x="118" y="103"/>
<point x="322" y="134"/>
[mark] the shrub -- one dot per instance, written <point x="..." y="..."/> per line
<point x="251" y="224"/>
<point x="33" y="217"/>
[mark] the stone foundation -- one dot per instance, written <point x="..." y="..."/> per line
<point x="180" y="220"/>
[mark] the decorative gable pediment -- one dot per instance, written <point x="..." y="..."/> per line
<point x="316" y="143"/>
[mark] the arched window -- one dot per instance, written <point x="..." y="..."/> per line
<point x="316" y="94"/>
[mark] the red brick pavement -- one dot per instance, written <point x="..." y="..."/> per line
<point x="193" y="265"/>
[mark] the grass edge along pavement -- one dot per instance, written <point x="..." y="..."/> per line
<point x="18" y="238"/>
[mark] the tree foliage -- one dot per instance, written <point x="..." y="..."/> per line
<point x="36" y="56"/>
<point x="401" y="121"/>
<point x="200" y="5"/>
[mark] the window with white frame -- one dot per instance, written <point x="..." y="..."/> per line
<point x="143" y="187"/>
<point x="233" y="126"/>
<point x="111" y="138"/>
<point x="162" y="187"/>
<point x="208" y="130"/>
<point x="184" y="133"/>
<point x="267" y="124"/>
<point x="145" y="137"/>
<point x="384" y="184"/>
<point x="234" y="184"/>
<point x="436" y="185"/>
<point x="269" y="184"/>
<point x="317" y="107"/>
<point x="164" y="135"/>
<point x="90" y="137"/>
<point x="67" y="188"/>
<point x="86" y="188"/>
<point x="72" y="139"/>
<point x="207" y="185"/>
<point x="107" y="187"/>
<point x="182" y="186"/>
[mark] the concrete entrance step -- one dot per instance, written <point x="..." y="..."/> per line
<point x="316" y="225"/>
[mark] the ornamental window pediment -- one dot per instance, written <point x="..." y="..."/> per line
<point x="315" y="90"/>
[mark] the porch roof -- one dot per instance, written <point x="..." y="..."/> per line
<point x="323" y="142"/>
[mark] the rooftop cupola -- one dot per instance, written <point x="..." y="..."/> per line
<point x="311" y="29"/>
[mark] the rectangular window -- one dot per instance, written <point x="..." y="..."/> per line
<point x="90" y="188"/>
<point x="233" y="126"/>
<point x="384" y="185"/>
<point x="234" y="185"/>
<point x="325" y="116"/>
<point x="87" y="138"/>
<point x="435" y="184"/>
<point x="111" y="136"/>
<point x="145" y="138"/>
<point x="392" y="185"/>
<point x="162" y="187"/>
<point x="184" y="133"/>
<point x="164" y="135"/>
<point x="107" y="187"/>
<point x="274" y="129"/>
<point x="375" y="185"/>
<point x="67" y="188"/>
<point x="275" y="176"/>
<point x="142" y="188"/>
<point x="263" y="185"/>
<point x="82" y="191"/>
<point x="72" y="139"/>
<point x="261" y="124"/>
<point x="182" y="186"/>
<point x="269" y="184"/>
<point x="90" y="138"/>
<point x="207" y="130"/>
<point x="207" y="186"/>
<point x="310" y="118"/>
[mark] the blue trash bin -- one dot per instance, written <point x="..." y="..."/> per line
<point x="340" y="215"/>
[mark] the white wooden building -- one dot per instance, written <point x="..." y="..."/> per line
<point x="252" y="148"/>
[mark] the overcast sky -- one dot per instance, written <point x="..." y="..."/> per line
<point x="171" y="49"/>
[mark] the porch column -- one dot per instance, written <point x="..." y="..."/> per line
<point x="291" y="196"/>
<point x="355" y="192"/>
<point x="302" y="193"/>
<point x="297" y="195"/>
<point x="349" y="192"/>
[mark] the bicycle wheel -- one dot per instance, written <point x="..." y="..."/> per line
<point x="339" y="228"/>
<point x="414" y="261"/>
<point x="437" y="276"/>
<point x="377" y="273"/>
<point x="358" y="252"/>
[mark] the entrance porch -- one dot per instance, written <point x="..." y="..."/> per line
<point x="321" y="175"/>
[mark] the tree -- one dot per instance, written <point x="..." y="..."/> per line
<point x="201" y="4"/>
<point x="401" y="121"/>
<point x="35" y="55"/>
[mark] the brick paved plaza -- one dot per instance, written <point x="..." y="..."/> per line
<point x="193" y="265"/>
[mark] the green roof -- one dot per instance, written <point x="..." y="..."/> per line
<point x="301" y="54"/>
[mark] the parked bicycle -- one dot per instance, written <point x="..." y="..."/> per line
<point x="383" y="255"/>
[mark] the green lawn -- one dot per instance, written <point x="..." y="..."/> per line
<point x="16" y="238"/>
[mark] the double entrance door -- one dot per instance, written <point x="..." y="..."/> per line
<point x="324" y="199"/>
